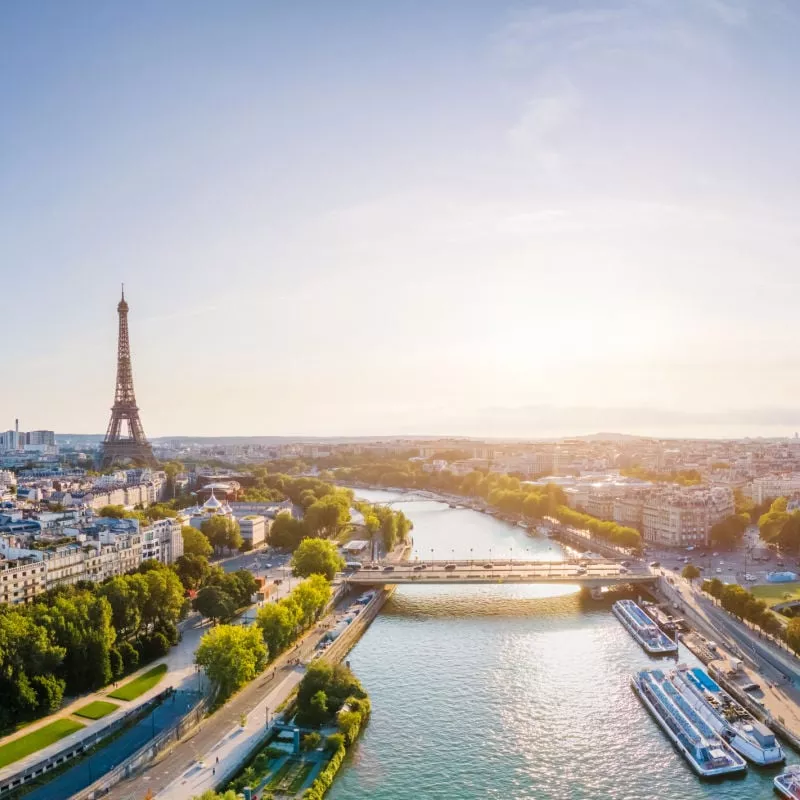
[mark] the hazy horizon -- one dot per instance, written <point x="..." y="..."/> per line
<point x="472" y="217"/>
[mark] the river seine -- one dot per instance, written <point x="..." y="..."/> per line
<point x="513" y="692"/>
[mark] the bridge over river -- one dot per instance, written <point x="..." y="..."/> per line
<point x="592" y="575"/>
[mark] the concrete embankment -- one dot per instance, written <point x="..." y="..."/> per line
<point x="356" y="629"/>
<point x="771" y="704"/>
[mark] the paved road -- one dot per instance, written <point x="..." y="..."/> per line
<point x="773" y="661"/>
<point x="728" y="566"/>
<point x="481" y="572"/>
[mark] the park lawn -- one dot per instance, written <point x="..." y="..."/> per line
<point x="132" y="689"/>
<point x="96" y="710"/>
<point x="37" y="740"/>
<point x="772" y="593"/>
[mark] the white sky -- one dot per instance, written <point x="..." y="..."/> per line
<point x="376" y="218"/>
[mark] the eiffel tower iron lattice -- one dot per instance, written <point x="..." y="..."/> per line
<point x="134" y="446"/>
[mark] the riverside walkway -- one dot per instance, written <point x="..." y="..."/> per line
<point x="593" y="574"/>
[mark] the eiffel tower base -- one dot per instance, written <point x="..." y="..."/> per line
<point x="125" y="452"/>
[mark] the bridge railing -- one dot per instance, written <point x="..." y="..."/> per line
<point x="503" y="562"/>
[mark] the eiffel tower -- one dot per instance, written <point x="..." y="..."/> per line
<point x="134" y="446"/>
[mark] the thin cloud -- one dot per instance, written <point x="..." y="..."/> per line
<point x="537" y="132"/>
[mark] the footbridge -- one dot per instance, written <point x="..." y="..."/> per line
<point x="592" y="575"/>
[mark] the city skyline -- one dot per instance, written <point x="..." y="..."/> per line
<point x="484" y="219"/>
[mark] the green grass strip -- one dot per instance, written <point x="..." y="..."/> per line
<point x="138" y="686"/>
<point x="96" y="710"/>
<point x="37" y="740"/>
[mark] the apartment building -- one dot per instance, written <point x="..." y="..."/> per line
<point x="162" y="540"/>
<point x="683" y="517"/>
<point x="21" y="579"/>
<point x="629" y="511"/>
<point x="600" y="503"/>
<point x="772" y="486"/>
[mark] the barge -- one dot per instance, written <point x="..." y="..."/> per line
<point x="704" y="750"/>
<point x="643" y="629"/>
<point x="737" y="726"/>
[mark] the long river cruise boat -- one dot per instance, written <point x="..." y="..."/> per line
<point x="737" y="726"/>
<point x="706" y="751"/>
<point x="643" y="629"/>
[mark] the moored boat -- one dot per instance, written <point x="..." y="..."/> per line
<point x="704" y="750"/>
<point x="643" y="629"/>
<point x="788" y="782"/>
<point x="737" y="726"/>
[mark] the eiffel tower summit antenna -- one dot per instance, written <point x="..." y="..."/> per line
<point x="119" y="446"/>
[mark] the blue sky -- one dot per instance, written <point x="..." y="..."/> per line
<point x="484" y="218"/>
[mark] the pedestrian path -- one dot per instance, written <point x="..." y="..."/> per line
<point x="224" y="759"/>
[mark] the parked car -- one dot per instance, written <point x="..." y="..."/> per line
<point x="655" y="564"/>
<point x="718" y="571"/>
<point x="488" y="565"/>
<point x="419" y="568"/>
<point x="449" y="567"/>
<point x="388" y="568"/>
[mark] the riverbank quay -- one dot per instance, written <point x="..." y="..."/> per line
<point x="235" y="756"/>
<point x="190" y="767"/>
<point x="770" y="698"/>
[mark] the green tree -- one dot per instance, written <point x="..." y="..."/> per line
<point x="287" y="532"/>
<point x="165" y="596"/>
<point x="311" y="596"/>
<point x="114" y="512"/>
<point x="770" y="624"/>
<point x="29" y="660"/>
<point x="311" y="741"/>
<point x="727" y="533"/>
<point x="317" y="557"/>
<point x="231" y="655"/>
<point x="214" y="603"/>
<point x="192" y="570"/>
<point x="195" y="543"/>
<point x="690" y="572"/>
<point x="222" y="532"/>
<point x="81" y="625"/>
<point x="734" y="599"/>
<point x="336" y="682"/>
<point x="125" y="612"/>
<point x="317" y="713"/>
<point x="328" y="515"/>
<point x="277" y="625"/>
<point x="793" y="634"/>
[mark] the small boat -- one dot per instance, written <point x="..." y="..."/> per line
<point x="788" y="782"/>
<point x="706" y="752"/>
<point x="643" y="629"/>
<point x="737" y="726"/>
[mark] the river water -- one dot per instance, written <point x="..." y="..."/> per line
<point x="512" y="692"/>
